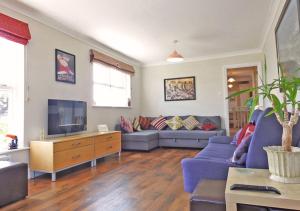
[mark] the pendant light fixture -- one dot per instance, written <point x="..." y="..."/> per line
<point x="175" y="56"/>
<point x="231" y="80"/>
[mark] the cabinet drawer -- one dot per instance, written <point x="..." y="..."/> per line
<point x="107" y="147"/>
<point x="72" y="144"/>
<point x="108" y="137"/>
<point x="71" y="157"/>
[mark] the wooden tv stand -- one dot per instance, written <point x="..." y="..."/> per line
<point x="57" y="154"/>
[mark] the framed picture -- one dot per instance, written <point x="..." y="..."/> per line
<point x="288" y="39"/>
<point x="65" y="67"/>
<point x="180" y="89"/>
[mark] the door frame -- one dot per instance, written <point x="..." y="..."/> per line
<point x="258" y="65"/>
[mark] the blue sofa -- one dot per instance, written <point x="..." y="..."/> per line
<point x="212" y="161"/>
<point x="152" y="138"/>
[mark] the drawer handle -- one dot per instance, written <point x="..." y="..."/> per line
<point x="75" y="157"/>
<point x="110" y="137"/>
<point x="110" y="147"/>
<point x="76" y="144"/>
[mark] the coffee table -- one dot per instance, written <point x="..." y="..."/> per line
<point x="289" y="198"/>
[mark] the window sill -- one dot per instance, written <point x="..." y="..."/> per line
<point x="97" y="106"/>
<point x="4" y="152"/>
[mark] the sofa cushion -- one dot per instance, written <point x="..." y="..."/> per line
<point x="240" y="153"/>
<point x="186" y="134"/>
<point x="207" y="126"/>
<point x="247" y="130"/>
<point x="190" y="123"/>
<point x="174" y="123"/>
<point x="214" y="119"/>
<point x="136" y="125"/>
<point x="144" y="122"/>
<point x="218" y="152"/>
<point x="159" y="123"/>
<point x="140" y="136"/>
<point x="235" y="137"/>
<point x="126" y="125"/>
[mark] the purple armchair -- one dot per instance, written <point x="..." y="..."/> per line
<point x="211" y="162"/>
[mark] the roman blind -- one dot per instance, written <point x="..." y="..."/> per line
<point x="14" y="30"/>
<point x="96" y="56"/>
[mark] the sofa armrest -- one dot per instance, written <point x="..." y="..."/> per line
<point x="220" y="139"/>
<point x="195" y="170"/>
<point x="221" y="132"/>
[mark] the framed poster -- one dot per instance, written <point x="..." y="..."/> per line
<point x="180" y="89"/>
<point x="65" y="67"/>
<point x="288" y="39"/>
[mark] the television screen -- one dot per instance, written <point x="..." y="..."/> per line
<point x="66" y="116"/>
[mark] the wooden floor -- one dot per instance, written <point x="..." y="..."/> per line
<point x="137" y="181"/>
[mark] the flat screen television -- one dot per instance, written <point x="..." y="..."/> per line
<point x="66" y="116"/>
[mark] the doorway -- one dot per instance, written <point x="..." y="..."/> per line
<point x="239" y="79"/>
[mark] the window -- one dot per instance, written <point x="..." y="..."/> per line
<point x="11" y="91"/>
<point x="111" y="87"/>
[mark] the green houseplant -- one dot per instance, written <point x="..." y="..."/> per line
<point x="284" y="161"/>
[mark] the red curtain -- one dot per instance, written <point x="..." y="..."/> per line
<point x="14" y="30"/>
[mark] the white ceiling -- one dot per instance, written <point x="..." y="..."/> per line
<point x="144" y="29"/>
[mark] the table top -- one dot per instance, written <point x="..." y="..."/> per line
<point x="78" y="136"/>
<point x="290" y="193"/>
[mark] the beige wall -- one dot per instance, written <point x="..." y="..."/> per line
<point x="40" y="79"/>
<point x="210" y="99"/>
<point x="269" y="48"/>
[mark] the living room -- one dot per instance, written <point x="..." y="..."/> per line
<point x="52" y="56"/>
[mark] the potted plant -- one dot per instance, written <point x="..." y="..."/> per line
<point x="284" y="161"/>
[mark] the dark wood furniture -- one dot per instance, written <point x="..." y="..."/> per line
<point x="13" y="182"/>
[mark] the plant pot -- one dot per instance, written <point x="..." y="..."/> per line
<point x="284" y="166"/>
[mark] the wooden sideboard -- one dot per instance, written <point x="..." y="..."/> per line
<point x="57" y="154"/>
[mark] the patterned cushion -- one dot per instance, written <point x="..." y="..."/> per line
<point x="190" y="123"/>
<point x="175" y="123"/>
<point x="144" y="122"/>
<point x="126" y="125"/>
<point x="240" y="153"/>
<point x="247" y="129"/>
<point x="207" y="125"/>
<point x="235" y="137"/>
<point x="136" y="125"/>
<point x="159" y="123"/>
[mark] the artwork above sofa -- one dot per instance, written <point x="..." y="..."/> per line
<point x="151" y="138"/>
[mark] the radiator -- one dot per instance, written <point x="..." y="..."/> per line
<point x="4" y="158"/>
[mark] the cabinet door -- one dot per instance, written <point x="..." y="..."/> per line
<point x="72" y="157"/>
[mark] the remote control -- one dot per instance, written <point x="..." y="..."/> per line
<point x="254" y="188"/>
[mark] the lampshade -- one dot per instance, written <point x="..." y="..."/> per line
<point x="175" y="57"/>
<point x="231" y="80"/>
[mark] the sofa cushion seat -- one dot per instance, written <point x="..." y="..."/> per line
<point x="145" y="135"/>
<point x="186" y="134"/>
<point x="214" y="151"/>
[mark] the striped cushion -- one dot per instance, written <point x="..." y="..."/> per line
<point x="159" y="123"/>
<point x="175" y="123"/>
<point x="190" y="123"/>
<point x="126" y="125"/>
<point x="136" y="125"/>
<point x="144" y="122"/>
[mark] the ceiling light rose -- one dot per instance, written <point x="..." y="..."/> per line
<point x="175" y="56"/>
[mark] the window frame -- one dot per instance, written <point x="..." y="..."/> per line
<point x="17" y="98"/>
<point x="10" y="115"/>
<point x="93" y="90"/>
